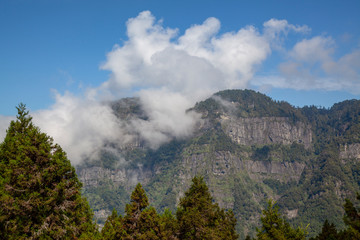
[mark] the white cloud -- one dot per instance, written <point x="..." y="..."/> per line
<point x="167" y="116"/>
<point x="316" y="49"/>
<point x="80" y="126"/>
<point x="312" y="65"/>
<point x="275" y="26"/>
<point x="151" y="59"/>
<point x="276" y="31"/>
<point x="348" y="66"/>
<point x="170" y="73"/>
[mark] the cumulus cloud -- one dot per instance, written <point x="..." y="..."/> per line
<point x="152" y="57"/>
<point x="170" y="73"/>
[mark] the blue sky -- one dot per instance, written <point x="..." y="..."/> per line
<point x="59" y="45"/>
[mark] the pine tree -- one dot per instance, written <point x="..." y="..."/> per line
<point x="141" y="222"/>
<point x="199" y="218"/>
<point x="139" y="202"/>
<point x="328" y="232"/>
<point x="169" y="226"/>
<point x="276" y="228"/>
<point x="351" y="220"/>
<point x="113" y="228"/>
<point x="39" y="191"/>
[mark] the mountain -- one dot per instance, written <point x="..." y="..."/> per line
<point x="249" y="148"/>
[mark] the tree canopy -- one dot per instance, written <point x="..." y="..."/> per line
<point x="196" y="218"/>
<point x="139" y="222"/>
<point x="351" y="220"/>
<point x="40" y="194"/>
<point x="276" y="228"/>
<point x="200" y="218"/>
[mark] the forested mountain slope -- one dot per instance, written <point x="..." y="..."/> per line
<point x="249" y="148"/>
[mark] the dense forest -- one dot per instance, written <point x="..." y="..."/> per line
<point x="40" y="198"/>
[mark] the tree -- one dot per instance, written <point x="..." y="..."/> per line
<point x="199" y="218"/>
<point x="39" y="191"/>
<point x="328" y="232"/>
<point x="141" y="222"/>
<point x="351" y="220"/>
<point x="113" y="228"/>
<point x="169" y="226"/>
<point x="277" y="228"/>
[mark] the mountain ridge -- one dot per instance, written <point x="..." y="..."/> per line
<point x="248" y="148"/>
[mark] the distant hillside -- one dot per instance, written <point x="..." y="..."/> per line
<point x="249" y="148"/>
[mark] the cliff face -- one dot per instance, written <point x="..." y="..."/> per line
<point x="249" y="149"/>
<point x="350" y="151"/>
<point x="282" y="171"/>
<point x="93" y="176"/>
<point x="242" y="131"/>
<point x="266" y="130"/>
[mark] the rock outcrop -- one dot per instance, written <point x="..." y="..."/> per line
<point x="350" y="151"/>
<point x="128" y="177"/>
<point x="266" y="130"/>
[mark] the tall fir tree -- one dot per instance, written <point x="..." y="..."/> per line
<point x="199" y="218"/>
<point x="274" y="227"/>
<point x="351" y="220"/>
<point x="39" y="190"/>
<point x="328" y="232"/>
<point x="113" y="228"/>
<point x="140" y="220"/>
<point x="169" y="226"/>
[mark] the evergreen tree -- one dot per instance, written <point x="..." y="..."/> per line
<point x="200" y="218"/>
<point x="141" y="222"/>
<point x="276" y="228"/>
<point x="113" y="228"/>
<point x="351" y="220"/>
<point x="169" y="226"/>
<point x="328" y="232"/>
<point x="39" y="191"/>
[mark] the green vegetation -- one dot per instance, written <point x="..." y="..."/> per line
<point x="352" y="220"/>
<point x="352" y="223"/>
<point x="247" y="103"/>
<point x="39" y="190"/>
<point x="275" y="227"/>
<point x="199" y="218"/>
<point x="196" y="218"/>
<point x="309" y="182"/>
<point x="106" y="196"/>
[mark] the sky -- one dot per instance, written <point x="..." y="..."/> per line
<point x="65" y="59"/>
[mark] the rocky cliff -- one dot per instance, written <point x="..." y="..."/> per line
<point x="350" y="151"/>
<point x="266" y="130"/>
